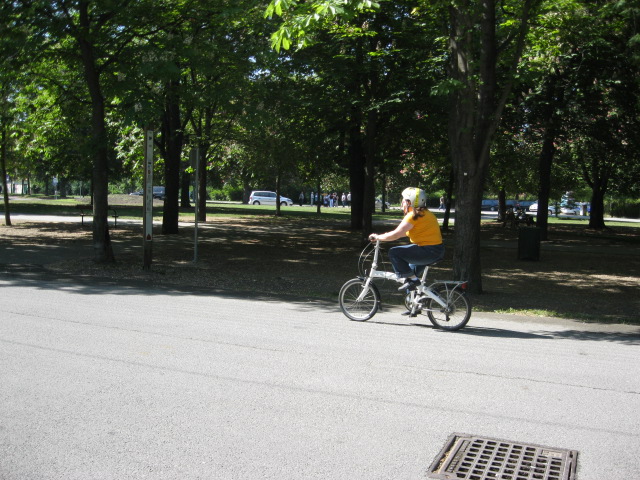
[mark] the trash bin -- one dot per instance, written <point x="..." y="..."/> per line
<point x="529" y="243"/>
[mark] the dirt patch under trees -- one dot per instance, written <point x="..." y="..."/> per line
<point x="581" y="273"/>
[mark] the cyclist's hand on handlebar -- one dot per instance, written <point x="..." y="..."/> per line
<point x="373" y="237"/>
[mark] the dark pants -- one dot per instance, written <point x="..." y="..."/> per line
<point x="407" y="260"/>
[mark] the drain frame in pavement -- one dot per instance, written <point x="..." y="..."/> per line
<point x="471" y="457"/>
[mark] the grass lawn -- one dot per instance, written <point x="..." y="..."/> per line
<point x="130" y="206"/>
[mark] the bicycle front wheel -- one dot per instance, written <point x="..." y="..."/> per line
<point x="356" y="307"/>
<point x="455" y="315"/>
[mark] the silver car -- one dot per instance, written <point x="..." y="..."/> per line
<point x="262" y="197"/>
<point x="533" y="208"/>
<point x="379" y="203"/>
<point x="158" y="192"/>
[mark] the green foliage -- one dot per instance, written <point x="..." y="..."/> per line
<point x="125" y="186"/>
<point x="624" y="207"/>
<point x="301" y="18"/>
<point x="378" y="68"/>
<point x="228" y="192"/>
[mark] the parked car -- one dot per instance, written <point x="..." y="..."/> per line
<point x="576" y="208"/>
<point x="534" y="208"/>
<point x="262" y="197"/>
<point x="379" y="203"/>
<point x="526" y="204"/>
<point x="567" y="210"/>
<point x="491" y="205"/>
<point x="158" y="192"/>
<point x="568" y="205"/>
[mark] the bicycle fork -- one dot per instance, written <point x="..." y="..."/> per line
<point x="365" y="289"/>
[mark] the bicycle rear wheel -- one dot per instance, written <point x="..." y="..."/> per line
<point x="455" y="316"/>
<point x="359" y="310"/>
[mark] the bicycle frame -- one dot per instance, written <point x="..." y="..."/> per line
<point x="450" y="285"/>
<point x="374" y="273"/>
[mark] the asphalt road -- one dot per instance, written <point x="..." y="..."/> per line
<point x="103" y="381"/>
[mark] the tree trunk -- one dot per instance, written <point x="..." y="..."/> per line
<point x="466" y="254"/>
<point x="318" y="200"/>
<point x="173" y="139"/>
<point x="202" y="184"/>
<point x="278" y="182"/>
<point x="369" y="176"/>
<point x="383" y="183"/>
<point x="62" y="187"/>
<point x="448" y="197"/>
<point x="469" y="163"/>
<point x="474" y="116"/>
<point x="103" y="250"/>
<point x="5" y="191"/>
<point x="185" y="182"/>
<point x="554" y="100"/>
<point x="356" y="171"/>
<point x="502" y="204"/>
<point x="357" y="153"/>
<point x="544" y="186"/>
<point x="596" y="218"/>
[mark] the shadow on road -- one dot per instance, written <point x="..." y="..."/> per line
<point x="573" y="334"/>
<point x="623" y="338"/>
<point x="39" y="278"/>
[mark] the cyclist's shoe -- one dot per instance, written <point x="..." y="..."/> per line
<point x="409" y="285"/>
<point x="409" y="314"/>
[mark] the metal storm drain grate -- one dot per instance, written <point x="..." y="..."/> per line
<point x="466" y="457"/>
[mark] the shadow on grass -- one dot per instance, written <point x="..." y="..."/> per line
<point x="578" y="276"/>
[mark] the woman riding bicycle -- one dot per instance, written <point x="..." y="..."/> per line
<point x="423" y="230"/>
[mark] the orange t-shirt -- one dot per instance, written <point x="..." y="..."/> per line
<point x="425" y="231"/>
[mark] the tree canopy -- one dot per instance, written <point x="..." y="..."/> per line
<point x="463" y="98"/>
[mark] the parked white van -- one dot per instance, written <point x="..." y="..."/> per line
<point x="261" y="197"/>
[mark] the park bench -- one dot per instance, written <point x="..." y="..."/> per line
<point x="88" y="210"/>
